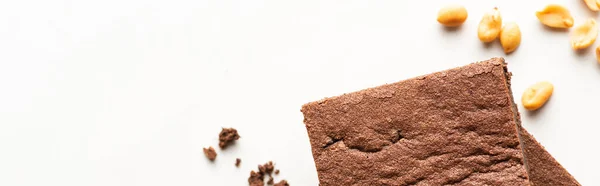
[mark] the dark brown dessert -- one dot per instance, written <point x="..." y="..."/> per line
<point x="455" y="127"/>
<point x="256" y="179"/>
<point x="282" y="183"/>
<point x="543" y="169"/>
<point x="210" y="153"/>
<point x="267" y="168"/>
<point x="271" y="181"/>
<point x="227" y="136"/>
<point x="276" y="171"/>
<point x="237" y="162"/>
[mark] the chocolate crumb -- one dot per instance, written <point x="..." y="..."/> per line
<point x="282" y="183"/>
<point x="267" y="168"/>
<point x="210" y="153"/>
<point x="256" y="179"/>
<point x="227" y="136"/>
<point x="237" y="162"/>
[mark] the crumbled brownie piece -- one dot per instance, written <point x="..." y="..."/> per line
<point x="267" y="168"/>
<point x="256" y="179"/>
<point x="227" y="136"/>
<point x="210" y="153"/>
<point x="282" y="183"/>
<point x="276" y="171"/>
<point x="237" y="162"/>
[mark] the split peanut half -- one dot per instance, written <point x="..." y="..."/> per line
<point x="555" y="16"/>
<point x="490" y="26"/>
<point x="594" y="5"/>
<point x="584" y="35"/>
<point x="537" y="95"/>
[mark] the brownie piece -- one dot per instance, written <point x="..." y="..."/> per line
<point x="543" y="169"/>
<point x="237" y="162"/>
<point x="210" y="153"/>
<point x="271" y="181"/>
<point x="256" y="179"/>
<point x="227" y="136"/>
<point x="455" y="127"/>
<point x="267" y="168"/>
<point x="282" y="183"/>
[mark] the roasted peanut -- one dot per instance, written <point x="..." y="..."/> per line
<point x="490" y="26"/>
<point x="510" y="37"/>
<point x="555" y="16"/>
<point x="598" y="54"/>
<point x="584" y="35"/>
<point x="594" y="5"/>
<point x="536" y="95"/>
<point x="452" y="15"/>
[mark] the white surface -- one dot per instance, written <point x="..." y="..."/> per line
<point x="119" y="92"/>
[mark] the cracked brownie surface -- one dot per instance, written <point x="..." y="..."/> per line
<point x="454" y="127"/>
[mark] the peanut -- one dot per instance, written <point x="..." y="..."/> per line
<point x="584" y="35"/>
<point x="536" y="95"/>
<point x="555" y="16"/>
<point x="594" y="5"/>
<point x="510" y="37"/>
<point x="490" y="26"/>
<point x="452" y="15"/>
<point x="598" y="54"/>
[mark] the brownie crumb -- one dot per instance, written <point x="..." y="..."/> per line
<point x="210" y="153"/>
<point x="267" y="168"/>
<point x="237" y="162"/>
<point x="256" y="179"/>
<point x="227" y="136"/>
<point x="282" y="183"/>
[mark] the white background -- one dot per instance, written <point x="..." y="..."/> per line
<point x="121" y="92"/>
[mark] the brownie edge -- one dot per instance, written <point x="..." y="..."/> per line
<point x="543" y="169"/>
<point x="454" y="127"/>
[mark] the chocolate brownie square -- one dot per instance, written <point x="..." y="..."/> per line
<point x="455" y="127"/>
